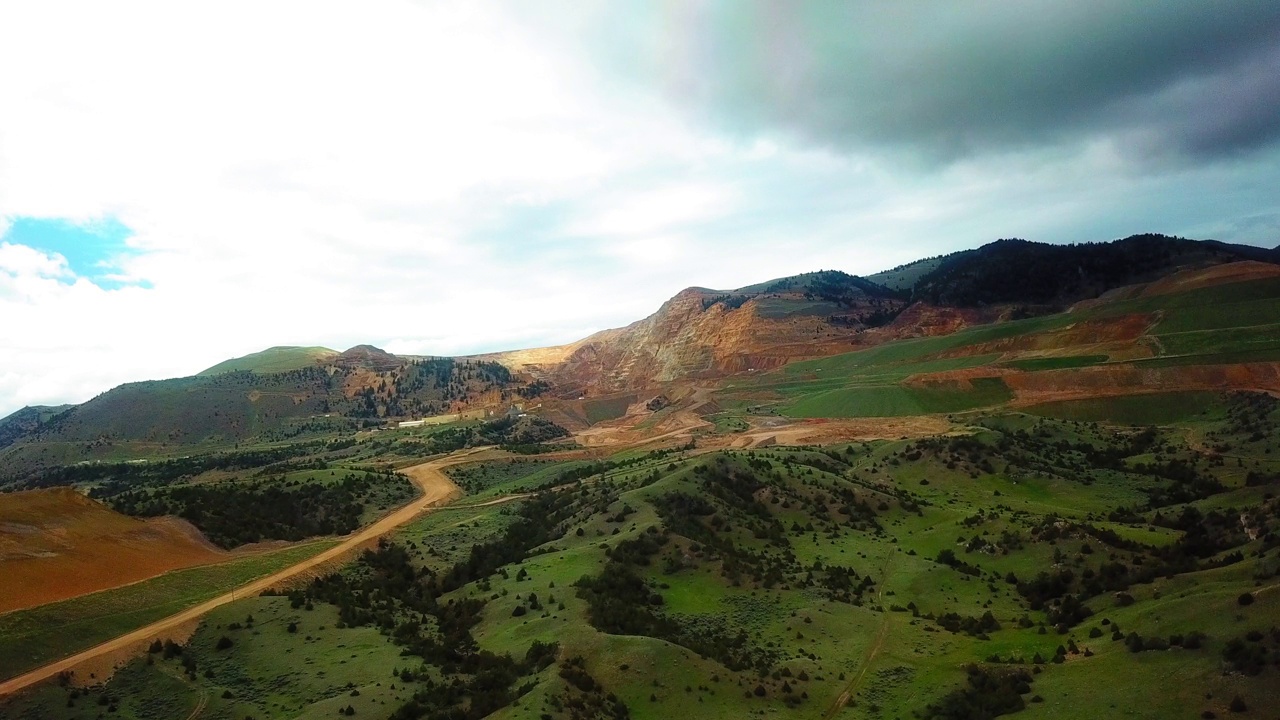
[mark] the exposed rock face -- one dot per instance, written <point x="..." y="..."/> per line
<point x="690" y="336"/>
<point x="924" y="320"/>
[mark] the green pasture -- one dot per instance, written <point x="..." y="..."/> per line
<point x="32" y="637"/>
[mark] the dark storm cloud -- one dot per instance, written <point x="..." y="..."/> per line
<point x="949" y="80"/>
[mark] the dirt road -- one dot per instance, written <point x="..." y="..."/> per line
<point x="436" y="488"/>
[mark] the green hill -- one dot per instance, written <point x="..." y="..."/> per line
<point x="904" y="277"/>
<point x="831" y="285"/>
<point x="27" y="420"/>
<point x="1022" y="272"/>
<point x="1018" y="565"/>
<point x="274" y="359"/>
<point x="171" y="416"/>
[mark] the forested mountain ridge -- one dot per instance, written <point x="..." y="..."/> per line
<point x="1015" y="271"/>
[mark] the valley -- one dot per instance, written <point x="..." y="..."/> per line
<point x="966" y="488"/>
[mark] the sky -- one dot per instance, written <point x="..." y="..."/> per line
<point x="185" y="182"/>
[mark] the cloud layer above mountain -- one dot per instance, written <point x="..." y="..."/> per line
<point x="459" y="177"/>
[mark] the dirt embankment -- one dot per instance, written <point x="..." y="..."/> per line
<point x="1105" y="381"/>
<point x="1094" y="336"/>
<point x="56" y="544"/>
<point x="1030" y="388"/>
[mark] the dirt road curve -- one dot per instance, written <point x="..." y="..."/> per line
<point x="437" y="489"/>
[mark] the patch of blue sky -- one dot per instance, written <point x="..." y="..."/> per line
<point x="93" y="250"/>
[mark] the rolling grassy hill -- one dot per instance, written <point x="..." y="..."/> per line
<point x="169" y="417"/>
<point x="274" y="359"/>
<point x="1019" y="564"/>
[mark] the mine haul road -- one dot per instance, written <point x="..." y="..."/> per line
<point x="437" y="489"/>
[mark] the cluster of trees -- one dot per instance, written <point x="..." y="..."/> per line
<point x="114" y="477"/>
<point x="1063" y="590"/>
<point x="731" y="502"/>
<point x="989" y="693"/>
<point x="1253" y="652"/>
<point x="976" y="626"/>
<point x="425" y="387"/>
<point x="730" y="302"/>
<point x="948" y="557"/>
<point x="620" y="602"/>
<point x="385" y="589"/>
<point x="1137" y="643"/>
<point x="524" y="435"/>
<point x="1016" y="271"/>
<point x="1052" y="592"/>
<point x="539" y="520"/>
<point x="1182" y="479"/>
<point x="585" y="698"/>
<point x="533" y="389"/>
<point x="528" y="430"/>
<point x="235" y="513"/>
<point x="842" y="288"/>
<point x="1251" y="414"/>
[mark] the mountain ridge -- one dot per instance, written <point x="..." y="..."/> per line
<point x="698" y="335"/>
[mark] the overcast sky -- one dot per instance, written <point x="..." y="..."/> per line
<point x="185" y="182"/>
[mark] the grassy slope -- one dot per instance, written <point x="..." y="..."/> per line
<point x="834" y="642"/>
<point x="1232" y="323"/>
<point x="271" y="360"/>
<point x="29" y="638"/>
<point x="909" y="661"/>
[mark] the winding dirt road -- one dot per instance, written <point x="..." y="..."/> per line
<point x="437" y="489"/>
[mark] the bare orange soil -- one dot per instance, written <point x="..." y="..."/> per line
<point x="437" y="489"/>
<point x="1104" y="381"/>
<point x="1030" y="388"/>
<point x="57" y="543"/>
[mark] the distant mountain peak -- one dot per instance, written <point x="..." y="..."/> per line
<point x="367" y="356"/>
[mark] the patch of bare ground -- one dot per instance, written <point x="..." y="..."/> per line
<point x="437" y="489"/>
<point x="765" y="432"/>
<point x="1112" y="380"/>
<point x="56" y="544"/>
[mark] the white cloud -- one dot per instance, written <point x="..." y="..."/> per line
<point x="633" y="212"/>
<point x="25" y="263"/>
